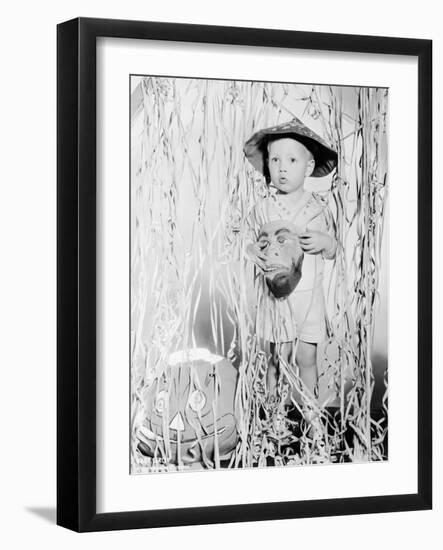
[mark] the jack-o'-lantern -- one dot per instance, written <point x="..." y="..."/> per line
<point x="190" y="410"/>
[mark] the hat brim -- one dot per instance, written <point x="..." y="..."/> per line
<point x="325" y="157"/>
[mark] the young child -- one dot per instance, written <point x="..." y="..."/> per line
<point x="286" y="155"/>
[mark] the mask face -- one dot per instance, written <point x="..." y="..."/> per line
<point x="190" y="412"/>
<point x="279" y="243"/>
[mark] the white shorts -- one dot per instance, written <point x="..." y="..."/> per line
<point x="301" y="315"/>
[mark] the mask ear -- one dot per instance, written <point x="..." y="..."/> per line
<point x="310" y="167"/>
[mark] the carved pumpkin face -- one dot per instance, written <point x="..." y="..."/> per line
<point x="190" y="410"/>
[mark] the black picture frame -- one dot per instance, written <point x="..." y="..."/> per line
<point x="76" y="273"/>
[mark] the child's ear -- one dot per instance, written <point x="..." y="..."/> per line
<point x="310" y="167"/>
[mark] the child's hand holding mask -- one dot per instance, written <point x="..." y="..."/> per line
<point x="316" y="242"/>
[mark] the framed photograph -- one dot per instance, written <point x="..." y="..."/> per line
<point x="244" y="274"/>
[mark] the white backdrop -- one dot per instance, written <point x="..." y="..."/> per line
<point x="27" y="300"/>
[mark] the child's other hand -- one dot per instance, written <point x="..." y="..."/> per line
<point x="256" y="255"/>
<point x="314" y="242"/>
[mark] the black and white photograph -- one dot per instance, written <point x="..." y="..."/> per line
<point x="221" y="280"/>
<point x="259" y="224"/>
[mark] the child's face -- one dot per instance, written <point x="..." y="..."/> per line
<point x="289" y="163"/>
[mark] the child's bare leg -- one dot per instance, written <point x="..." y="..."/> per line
<point x="271" y="378"/>
<point x="272" y="373"/>
<point x="280" y="360"/>
<point x="307" y="363"/>
<point x="279" y="352"/>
